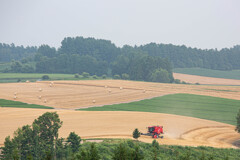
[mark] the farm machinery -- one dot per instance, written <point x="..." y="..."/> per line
<point x="154" y="131"/>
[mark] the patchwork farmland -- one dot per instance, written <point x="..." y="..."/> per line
<point x="79" y="94"/>
<point x="66" y="96"/>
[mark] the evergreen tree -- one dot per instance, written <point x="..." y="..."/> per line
<point x="74" y="141"/>
<point x="93" y="153"/>
<point x="238" y="122"/>
<point x="120" y="152"/>
<point x="137" y="154"/>
<point x="136" y="134"/>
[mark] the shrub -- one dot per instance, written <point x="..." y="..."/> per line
<point x="85" y="75"/>
<point x="177" y="81"/>
<point x="45" y="77"/>
<point x="183" y="82"/>
<point x="95" y="77"/>
<point x="104" y="76"/>
<point x="125" y="76"/>
<point x="76" y="75"/>
<point x="116" y="76"/>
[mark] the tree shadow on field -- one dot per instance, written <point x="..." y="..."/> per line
<point x="237" y="143"/>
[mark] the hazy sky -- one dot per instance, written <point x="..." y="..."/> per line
<point x="201" y="24"/>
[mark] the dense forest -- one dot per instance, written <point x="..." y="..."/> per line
<point x="12" y="52"/>
<point x="150" y="62"/>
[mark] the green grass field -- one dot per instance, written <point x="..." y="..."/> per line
<point x="234" y="74"/>
<point x="16" y="104"/>
<point x="205" y="107"/>
<point x="13" y="77"/>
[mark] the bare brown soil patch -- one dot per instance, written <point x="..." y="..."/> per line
<point x="205" y="80"/>
<point x="179" y="130"/>
<point x="78" y="94"/>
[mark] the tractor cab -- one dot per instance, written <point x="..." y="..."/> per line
<point x="151" y="129"/>
<point x="155" y="129"/>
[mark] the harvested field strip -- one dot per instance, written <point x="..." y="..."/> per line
<point x="92" y="85"/>
<point x="80" y="94"/>
<point x="212" y="134"/>
<point x="205" y="107"/>
<point x="205" y="80"/>
<point x="121" y="125"/>
<point x="16" y="104"/>
<point x="234" y="74"/>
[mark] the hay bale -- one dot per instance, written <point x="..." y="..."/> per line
<point x="39" y="97"/>
<point x="121" y="88"/>
<point x="15" y="93"/>
<point x="50" y="85"/>
<point x="109" y="91"/>
<point x="45" y="101"/>
<point x="94" y="101"/>
<point x="40" y="90"/>
<point x="27" y="81"/>
<point x="15" y="97"/>
<point x="144" y="91"/>
<point x="105" y="86"/>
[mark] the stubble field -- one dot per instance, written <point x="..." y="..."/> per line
<point x="80" y="94"/>
<point x="205" y="80"/>
<point x="179" y="130"/>
<point x="68" y="95"/>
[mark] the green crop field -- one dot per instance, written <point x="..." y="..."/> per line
<point x="14" y="77"/>
<point x="234" y="74"/>
<point x="16" y="104"/>
<point x="205" y="107"/>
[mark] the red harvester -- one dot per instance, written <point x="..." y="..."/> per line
<point x="154" y="131"/>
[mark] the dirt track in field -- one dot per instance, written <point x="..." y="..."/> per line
<point x="78" y="94"/>
<point x="179" y="130"/>
<point x="205" y="80"/>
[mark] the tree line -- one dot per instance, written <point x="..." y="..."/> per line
<point x="12" y="52"/>
<point x="96" y="57"/>
<point x="101" y="57"/>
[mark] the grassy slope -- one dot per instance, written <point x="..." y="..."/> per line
<point x="205" y="107"/>
<point x="13" y="77"/>
<point x="235" y="74"/>
<point x="16" y="104"/>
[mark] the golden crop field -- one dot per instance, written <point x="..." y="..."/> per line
<point x="78" y="94"/>
<point x="65" y="96"/>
